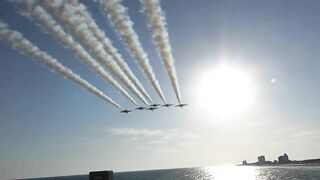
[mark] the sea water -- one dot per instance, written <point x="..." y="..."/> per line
<point x="215" y="173"/>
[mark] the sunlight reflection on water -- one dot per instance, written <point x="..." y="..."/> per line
<point x="229" y="172"/>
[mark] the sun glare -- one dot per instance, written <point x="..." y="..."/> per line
<point x="231" y="172"/>
<point x="224" y="90"/>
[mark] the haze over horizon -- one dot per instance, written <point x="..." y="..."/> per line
<point x="249" y="71"/>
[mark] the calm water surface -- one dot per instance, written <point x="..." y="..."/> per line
<point x="216" y="173"/>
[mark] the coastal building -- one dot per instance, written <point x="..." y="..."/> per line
<point x="284" y="158"/>
<point x="261" y="159"/>
<point x="244" y="162"/>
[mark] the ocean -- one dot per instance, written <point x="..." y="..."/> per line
<point x="215" y="173"/>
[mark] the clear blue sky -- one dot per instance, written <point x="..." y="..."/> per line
<point x="49" y="126"/>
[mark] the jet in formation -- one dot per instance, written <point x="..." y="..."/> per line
<point x="140" y="108"/>
<point x="155" y="105"/>
<point x="125" y="111"/>
<point x="151" y="108"/>
<point x="167" y="105"/>
<point x="181" y="105"/>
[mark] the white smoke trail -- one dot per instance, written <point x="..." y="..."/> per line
<point x="107" y="44"/>
<point x="76" y="25"/>
<point x="161" y="38"/>
<point x="24" y="46"/>
<point x="46" y="21"/>
<point x="118" y="16"/>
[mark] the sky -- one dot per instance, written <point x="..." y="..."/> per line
<point x="249" y="71"/>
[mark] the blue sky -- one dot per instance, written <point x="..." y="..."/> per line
<point x="49" y="126"/>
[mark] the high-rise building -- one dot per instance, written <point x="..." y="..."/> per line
<point x="261" y="159"/>
<point x="284" y="158"/>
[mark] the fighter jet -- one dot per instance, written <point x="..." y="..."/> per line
<point x="181" y="105"/>
<point x="151" y="108"/>
<point x="155" y="105"/>
<point x="125" y="111"/>
<point x="140" y="108"/>
<point x="167" y="105"/>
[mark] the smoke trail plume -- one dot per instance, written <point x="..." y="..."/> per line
<point x="46" y="21"/>
<point x="161" y="38"/>
<point x="107" y="44"/>
<point x="24" y="46"/>
<point x="76" y="25"/>
<point x="118" y="16"/>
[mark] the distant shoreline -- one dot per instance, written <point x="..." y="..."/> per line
<point x="307" y="162"/>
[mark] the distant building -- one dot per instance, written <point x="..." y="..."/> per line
<point x="261" y="159"/>
<point x="284" y="158"/>
<point x="244" y="162"/>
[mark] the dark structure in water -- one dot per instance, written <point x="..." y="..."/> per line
<point x="101" y="175"/>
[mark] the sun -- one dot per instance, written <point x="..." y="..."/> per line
<point x="224" y="90"/>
